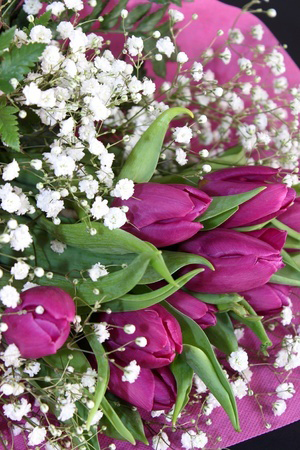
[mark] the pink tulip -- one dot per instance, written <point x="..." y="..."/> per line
<point x="45" y="327"/>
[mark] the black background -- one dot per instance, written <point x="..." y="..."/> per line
<point x="286" y="27"/>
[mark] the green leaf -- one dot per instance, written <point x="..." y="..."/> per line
<point x="217" y="299"/>
<point x="130" y="418"/>
<point x="216" y="221"/>
<point x="201" y="358"/>
<point x="256" y="326"/>
<point x="290" y="232"/>
<point x="200" y="362"/>
<point x="103" y="374"/>
<point x="111" y="241"/>
<point x="136" y="14"/>
<point x="174" y="262"/>
<point x="111" y="19"/>
<point x="110" y="286"/>
<point x="116" y="421"/>
<point x="150" y="22"/>
<point x="60" y="360"/>
<point x="142" y="161"/>
<point x="86" y="23"/>
<point x="134" y="302"/>
<point x="184" y="379"/>
<point x="234" y="156"/>
<point x="259" y="226"/>
<point x="42" y="20"/>
<point x="287" y="259"/>
<point x="292" y="243"/>
<point x="222" y="334"/>
<point x="220" y="205"/>
<point x="17" y="63"/>
<point x="9" y="130"/>
<point x="6" y="39"/>
<point x="288" y="275"/>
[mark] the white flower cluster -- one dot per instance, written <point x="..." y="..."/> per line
<point x="289" y="355"/>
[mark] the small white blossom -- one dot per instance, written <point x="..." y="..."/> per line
<point x="191" y="440"/>
<point x="57" y="246"/>
<point x="89" y="378"/>
<point x="182" y="135"/>
<point x="124" y="189"/>
<point x="65" y="29"/>
<point x="17" y="410"/>
<point x="131" y="372"/>
<point x="238" y="360"/>
<point x="181" y="157"/>
<point x="165" y="46"/>
<point x="115" y="218"/>
<point x="56" y="8"/>
<point x="99" y="208"/>
<point x="98" y="270"/>
<point x="287" y="315"/>
<point x="244" y="63"/>
<point x="285" y="390"/>
<point x="236" y="36"/>
<point x="32" y="6"/>
<point x="11" y="171"/>
<point x="175" y="15"/>
<point x="37" y="436"/>
<point x="279" y="407"/>
<point x="135" y="45"/>
<point x="161" y="441"/>
<point x="225" y="56"/>
<point x="101" y="331"/>
<point x="97" y="417"/>
<point x="182" y="58"/>
<point x="9" y="296"/>
<point x="20" y="270"/>
<point x="67" y="411"/>
<point x="32" y="368"/>
<point x="77" y="5"/>
<point x="41" y="34"/>
<point x="200" y="386"/>
<point x="197" y="71"/>
<point x="240" y="388"/>
<point x="257" y="32"/>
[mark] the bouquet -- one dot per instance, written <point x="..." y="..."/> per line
<point x="150" y="223"/>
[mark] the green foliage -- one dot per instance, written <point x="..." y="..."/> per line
<point x="255" y="325"/>
<point x="111" y="19"/>
<point x="221" y="208"/>
<point x="184" y="379"/>
<point x="9" y="130"/>
<point x="217" y="299"/>
<point x="17" y="63"/>
<point x="6" y="39"/>
<point x="134" y="302"/>
<point x="42" y="20"/>
<point x="129" y="417"/>
<point x="234" y="156"/>
<point x="200" y="357"/>
<point x="115" y="420"/>
<point x="142" y="161"/>
<point x="222" y="334"/>
<point x="136" y="14"/>
<point x="150" y="22"/>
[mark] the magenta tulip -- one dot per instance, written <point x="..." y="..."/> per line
<point x="163" y="214"/>
<point x="200" y="312"/>
<point x="242" y="261"/>
<point x="40" y="331"/>
<point x="157" y="325"/>
<point x="291" y="217"/>
<point x="268" y="299"/>
<point x="272" y="201"/>
<point x="152" y="390"/>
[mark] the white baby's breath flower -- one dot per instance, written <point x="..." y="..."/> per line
<point x="115" y="218"/>
<point x="193" y="440"/>
<point x="37" y="436"/>
<point x="182" y="58"/>
<point x="57" y="246"/>
<point x="76" y="5"/>
<point x="11" y="171"/>
<point x="101" y="331"/>
<point x="181" y="156"/>
<point x="287" y="315"/>
<point x="161" y="441"/>
<point x="285" y="390"/>
<point x="278" y="407"/>
<point x="240" y="388"/>
<point x="98" y="270"/>
<point x="32" y="368"/>
<point x="56" y="8"/>
<point x="182" y="135"/>
<point x="238" y="360"/>
<point x="32" y="6"/>
<point x="135" y="45"/>
<point x="11" y="356"/>
<point x="41" y="34"/>
<point x="67" y="411"/>
<point x="16" y="411"/>
<point x="131" y="372"/>
<point x="257" y="32"/>
<point x="99" y="208"/>
<point x="20" y="270"/>
<point x="124" y="189"/>
<point x="165" y="45"/>
<point x="175" y="15"/>
<point x="9" y="296"/>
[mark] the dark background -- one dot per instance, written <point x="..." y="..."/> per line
<point x="286" y="28"/>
